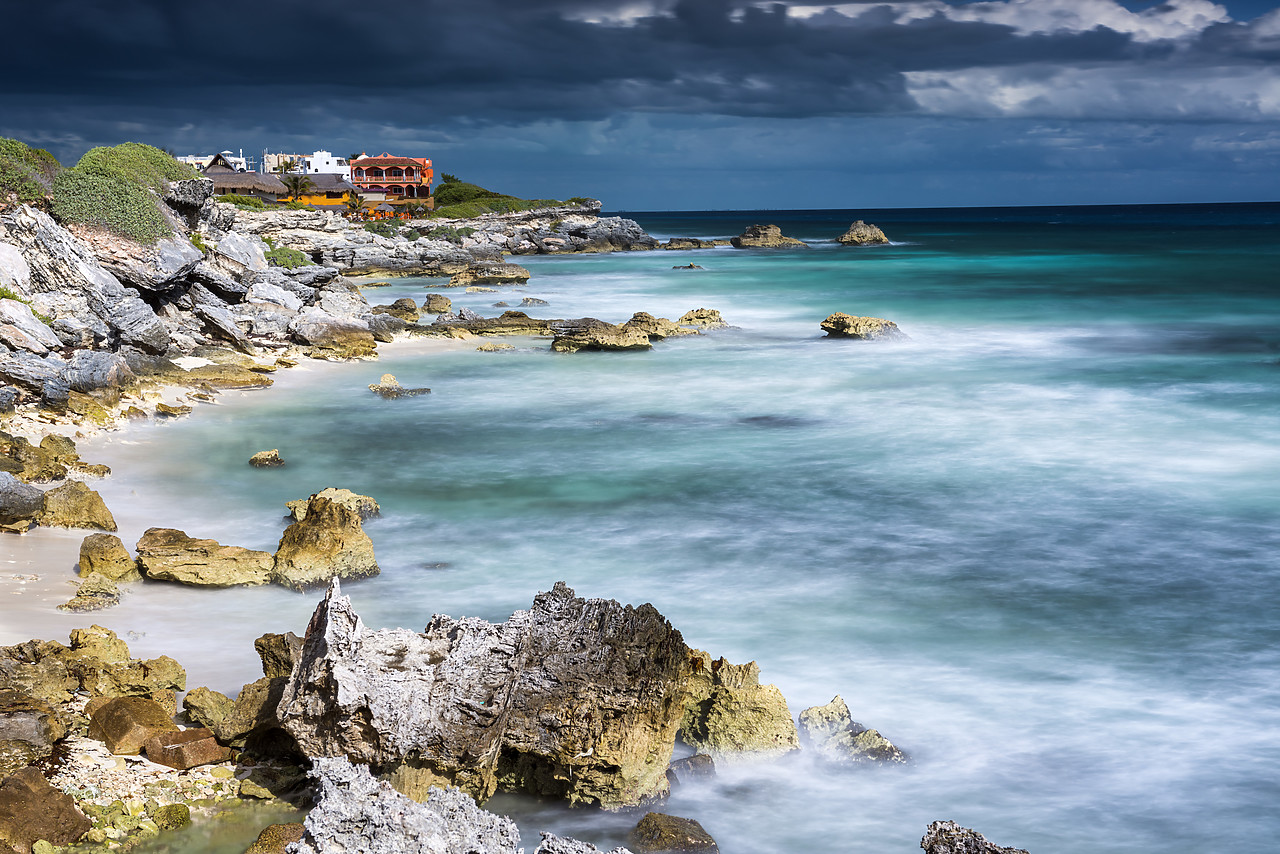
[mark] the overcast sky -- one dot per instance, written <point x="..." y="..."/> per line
<point x="684" y="104"/>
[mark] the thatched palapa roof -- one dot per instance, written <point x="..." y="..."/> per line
<point x="225" y="180"/>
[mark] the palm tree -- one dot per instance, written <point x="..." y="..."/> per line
<point x="287" y="165"/>
<point x="297" y="184"/>
<point x="355" y="203"/>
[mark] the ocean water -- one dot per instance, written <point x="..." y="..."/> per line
<point x="1035" y="545"/>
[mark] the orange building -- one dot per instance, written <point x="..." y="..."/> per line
<point x="399" y="177"/>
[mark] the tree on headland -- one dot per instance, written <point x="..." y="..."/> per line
<point x="354" y="203"/>
<point x="297" y="185"/>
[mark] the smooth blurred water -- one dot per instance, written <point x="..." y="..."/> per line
<point x="1035" y="545"/>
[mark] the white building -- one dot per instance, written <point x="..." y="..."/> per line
<point x="324" y="163"/>
<point x="200" y="161"/>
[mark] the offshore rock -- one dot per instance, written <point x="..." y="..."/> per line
<point x="356" y="812"/>
<point x="167" y="554"/>
<point x="32" y="810"/>
<point x="593" y="334"/>
<point x="364" y="506"/>
<point x="94" y="593"/>
<point x="764" y="237"/>
<point x="947" y="837"/>
<point x="689" y="243"/>
<point x="732" y="717"/>
<point x="405" y="309"/>
<point x="659" y="832"/>
<point x="266" y="459"/>
<point x="105" y="554"/>
<point x="328" y="542"/>
<point x="29" y="727"/>
<point x="490" y="273"/>
<point x="388" y="388"/>
<point x="575" y="698"/>
<point x="436" y="304"/>
<point x="508" y="323"/>
<point x="838" y="738"/>
<point x="862" y="234"/>
<point x="702" y="318"/>
<point x="74" y="505"/>
<point x="841" y="325"/>
<point x="657" y="328"/>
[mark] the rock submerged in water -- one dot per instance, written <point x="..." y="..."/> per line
<point x="595" y="335"/>
<point x="167" y="554"/>
<point x="328" y="542"/>
<point x="862" y="234"/>
<point x="659" y="832"/>
<point x="266" y="459"/>
<point x="947" y="837"/>
<point x="94" y="593"/>
<point x="838" y="738"/>
<point x="841" y="325"/>
<point x="389" y="388"/>
<point x="765" y="237"/>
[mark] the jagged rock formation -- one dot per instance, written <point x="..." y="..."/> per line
<point x="327" y="542"/>
<point x="838" y="738"/>
<point x="389" y="388"/>
<point x="364" y="506"/>
<point x="947" y="837"/>
<point x="657" y="328"/>
<point x="490" y="273"/>
<point x="105" y="554"/>
<point x="94" y="593"/>
<point x="841" y="325"/>
<point x="731" y="716"/>
<point x="574" y="698"/>
<point x="764" y="237"/>
<point x="862" y="234"/>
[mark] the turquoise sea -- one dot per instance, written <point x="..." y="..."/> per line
<point x="1035" y="545"/>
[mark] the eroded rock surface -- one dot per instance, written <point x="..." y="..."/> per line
<point x="327" y="542"/>
<point x="764" y="237"/>
<point x="841" y="325"/>
<point x="167" y="554"/>
<point x="837" y="737"/>
<point x="862" y="234"/>
<point x="947" y="837"/>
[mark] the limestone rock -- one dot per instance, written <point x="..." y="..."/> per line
<point x="166" y="554"/>
<point x="657" y="328"/>
<point x="329" y="542"/>
<point x="841" y="325"/>
<point x="696" y="767"/>
<point x="253" y="712"/>
<point x="172" y="816"/>
<point x="862" y="234"/>
<point x="597" y="335"/>
<point x="689" y="266"/>
<point x="275" y="838"/>
<point x="333" y="337"/>
<point x="732" y="717"/>
<point x="436" y="304"/>
<point x="688" y="243"/>
<point x="495" y="347"/>
<point x="20" y="317"/>
<point x="278" y="653"/>
<point x="94" y="593"/>
<point x="125" y="723"/>
<point x="490" y="273"/>
<point x="659" y="832"/>
<point x="389" y="388"/>
<point x="838" y="738"/>
<point x="206" y="707"/>
<point x="552" y="844"/>
<point x="266" y="459"/>
<point x="764" y="237"/>
<point x="74" y="505"/>
<point x="405" y="309"/>
<point x="947" y="837"/>
<point x="32" y="810"/>
<point x="702" y="318"/>
<point x="508" y="323"/>
<point x="530" y="302"/>
<point x="364" y="506"/>
<point x="184" y="749"/>
<point x="574" y="698"/>
<point x="29" y="727"/>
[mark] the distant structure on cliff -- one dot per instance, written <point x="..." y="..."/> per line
<point x="399" y="178"/>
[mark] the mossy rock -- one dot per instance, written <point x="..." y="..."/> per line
<point x="172" y="817"/>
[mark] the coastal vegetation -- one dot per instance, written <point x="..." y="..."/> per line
<point x="456" y="199"/>
<point x="251" y="203"/>
<point x="26" y="172"/>
<point x="119" y="188"/>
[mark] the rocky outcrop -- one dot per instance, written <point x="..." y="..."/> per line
<point x="20" y="502"/>
<point x="659" y="832"/>
<point x="31" y="810"/>
<point x="97" y="662"/>
<point x="693" y="243"/>
<point x="841" y="325"/>
<point x="388" y="388"/>
<point x="554" y="230"/>
<point x="328" y="542"/>
<point x="266" y="459"/>
<point x="490" y="273"/>
<point x="764" y="237"/>
<point x="732" y="717"/>
<point x="405" y="309"/>
<point x="363" y="505"/>
<point x="29" y="727"/>
<point x="862" y="234"/>
<point x="508" y="323"/>
<point x="74" y="505"/>
<point x="947" y="837"/>
<point x="574" y="698"/>
<point x="838" y="738"/>
<point x="702" y="318"/>
<point x="657" y="328"/>
<point x="94" y="593"/>
<point x="436" y="304"/>
<point x="105" y="554"/>
<point x="592" y="334"/>
<point x="206" y="707"/>
<point x="167" y="554"/>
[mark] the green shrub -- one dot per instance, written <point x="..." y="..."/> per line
<point x="382" y="228"/>
<point x="455" y="192"/>
<point x="449" y="233"/>
<point x="26" y="172"/>
<point x="579" y="200"/>
<point x="412" y="235"/>
<point x="6" y="293"/>
<point x="251" y="203"/>
<point x="499" y="204"/>
<point x="198" y="242"/>
<point x="118" y="188"/>
<point x="295" y="205"/>
<point x="287" y="258"/>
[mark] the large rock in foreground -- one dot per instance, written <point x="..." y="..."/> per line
<point x="28" y="729"/>
<point x="167" y="554"/>
<point x="327" y="542"/>
<point x="575" y="698"/>
<point x="862" y="234"/>
<point x="31" y="810"/>
<point x="841" y="325"/>
<point x="731" y="716"/>
<point x="765" y="237"/>
<point x="947" y="837"/>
